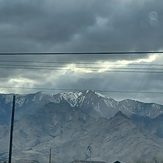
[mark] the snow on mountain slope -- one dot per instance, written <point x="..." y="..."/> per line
<point x="151" y="110"/>
<point x="89" y="101"/>
<point x="106" y="107"/>
<point x="80" y="97"/>
<point x="25" y="104"/>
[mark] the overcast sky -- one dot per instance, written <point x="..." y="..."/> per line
<point x="83" y="26"/>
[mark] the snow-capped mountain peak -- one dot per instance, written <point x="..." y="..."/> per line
<point x="88" y="100"/>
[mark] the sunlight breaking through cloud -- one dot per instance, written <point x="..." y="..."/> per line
<point x="106" y="66"/>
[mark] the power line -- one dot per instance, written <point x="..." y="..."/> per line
<point x="40" y="62"/>
<point x="72" y="89"/>
<point x="31" y="63"/>
<point x="74" y="62"/>
<point x="78" y="53"/>
<point x="113" y="70"/>
<point x="91" y="67"/>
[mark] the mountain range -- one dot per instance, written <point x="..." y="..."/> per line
<point x="70" y="122"/>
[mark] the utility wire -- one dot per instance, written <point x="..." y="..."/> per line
<point x="78" y="53"/>
<point x="120" y="70"/>
<point x="97" y="90"/>
<point x="74" y="62"/>
<point x="59" y="66"/>
<point x="98" y="71"/>
<point x="91" y="67"/>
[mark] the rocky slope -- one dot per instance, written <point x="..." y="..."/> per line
<point x="69" y="122"/>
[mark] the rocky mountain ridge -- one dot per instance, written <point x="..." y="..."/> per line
<point x="69" y="122"/>
<point x="102" y="105"/>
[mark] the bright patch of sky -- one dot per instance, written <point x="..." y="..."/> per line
<point x="105" y="66"/>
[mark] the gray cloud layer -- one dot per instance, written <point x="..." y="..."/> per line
<point x="81" y="25"/>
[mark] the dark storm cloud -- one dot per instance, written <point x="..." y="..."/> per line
<point x="80" y="25"/>
<point x="125" y="26"/>
<point x="39" y="23"/>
